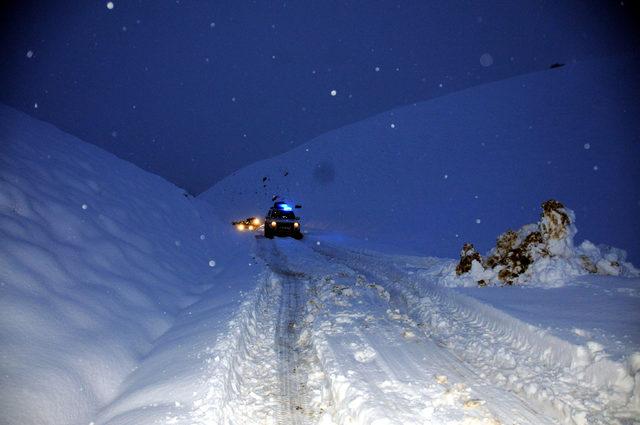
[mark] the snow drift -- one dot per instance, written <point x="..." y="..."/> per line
<point x="429" y="176"/>
<point x="97" y="259"/>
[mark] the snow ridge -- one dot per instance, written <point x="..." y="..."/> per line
<point x="243" y="365"/>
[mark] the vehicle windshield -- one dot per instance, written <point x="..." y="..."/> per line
<point x="283" y="214"/>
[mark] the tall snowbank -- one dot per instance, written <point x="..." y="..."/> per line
<point x="97" y="258"/>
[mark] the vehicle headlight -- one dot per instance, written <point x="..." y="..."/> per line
<point x="251" y="227"/>
<point x="273" y="224"/>
<point x="296" y="225"/>
<point x="240" y="226"/>
<point x="256" y="222"/>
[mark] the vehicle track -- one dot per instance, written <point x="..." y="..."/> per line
<point x="292" y="392"/>
<point x="293" y="407"/>
<point x="379" y="270"/>
<point x="377" y="363"/>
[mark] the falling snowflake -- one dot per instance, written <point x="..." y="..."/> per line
<point x="202" y="237"/>
<point x="377" y="68"/>
<point x="212" y="25"/>
<point x="30" y="54"/>
<point x="595" y="168"/>
<point x="110" y="5"/>
<point x="478" y="221"/>
<point x="212" y="263"/>
<point x="486" y="60"/>
<point x="446" y="176"/>
<point x="334" y="92"/>
<point x="35" y="105"/>
<point x="392" y="125"/>
<point x="85" y="206"/>
<point x="587" y="146"/>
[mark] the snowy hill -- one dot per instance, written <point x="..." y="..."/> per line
<point x="98" y="259"/>
<point x="465" y="167"/>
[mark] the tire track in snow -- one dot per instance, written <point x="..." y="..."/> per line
<point x="292" y="394"/>
<point x="504" y="404"/>
<point x="292" y="374"/>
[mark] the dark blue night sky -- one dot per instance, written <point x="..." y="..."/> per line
<point x="194" y="90"/>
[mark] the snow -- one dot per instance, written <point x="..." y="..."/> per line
<point x="110" y="5"/>
<point x="521" y="339"/>
<point x="91" y="278"/>
<point x="125" y="301"/>
<point x="486" y="60"/>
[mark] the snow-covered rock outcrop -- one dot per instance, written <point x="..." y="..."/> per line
<point x="543" y="252"/>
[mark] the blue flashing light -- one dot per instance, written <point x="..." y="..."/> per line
<point x="285" y="207"/>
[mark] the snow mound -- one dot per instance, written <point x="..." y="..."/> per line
<point x="447" y="170"/>
<point x="97" y="259"/>
<point x="543" y="253"/>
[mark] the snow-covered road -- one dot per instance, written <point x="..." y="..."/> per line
<point x="347" y="351"/>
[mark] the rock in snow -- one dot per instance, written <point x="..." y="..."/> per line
<point x="542" y="253"/>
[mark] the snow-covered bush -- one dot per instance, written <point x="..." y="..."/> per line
<point x="544" y="252"/>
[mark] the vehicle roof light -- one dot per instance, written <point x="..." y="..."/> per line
<point x="284" y="207"/>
